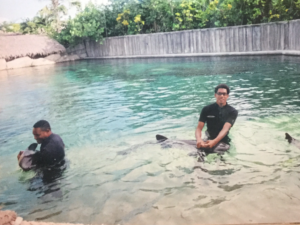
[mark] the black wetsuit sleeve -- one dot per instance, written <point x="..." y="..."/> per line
<point x="37" y="158"/>
<point x="203" y="115"/>
<point x="232" y="117"/>
<point x="49" y="155"/>
<point x="40" y="157"/>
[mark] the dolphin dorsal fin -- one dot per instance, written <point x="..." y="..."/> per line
<point x="160" y="137"/>
<point x="288" y="137"/>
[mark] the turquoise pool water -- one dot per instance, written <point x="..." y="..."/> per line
<point x="103" y="107"/>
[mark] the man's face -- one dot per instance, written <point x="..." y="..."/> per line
<point x="221" y="96"/>
<point x="40" y="135"/>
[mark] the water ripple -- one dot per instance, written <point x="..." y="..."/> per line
<point x="108" y="113"/>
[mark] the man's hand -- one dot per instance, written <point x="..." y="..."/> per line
<point x="198" y="131"/>
<point x="19" y="155"/>
<point x="209" y="144"/>
<point x="200" y="143"/>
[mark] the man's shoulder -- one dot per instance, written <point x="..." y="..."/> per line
<point x="55" y="138"/>
<point x="230" y="108"/>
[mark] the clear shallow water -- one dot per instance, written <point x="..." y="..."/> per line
<point x="102" y="108"/>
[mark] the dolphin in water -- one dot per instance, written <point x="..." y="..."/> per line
<point x="25" y="161"/>
<point x="46" y="177"/>
<point x="292" y="140"/>
<point x="188" y="145"/>
<point x="220" y="148"/>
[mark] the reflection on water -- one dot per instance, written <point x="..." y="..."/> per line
<point x="108" y="113"/>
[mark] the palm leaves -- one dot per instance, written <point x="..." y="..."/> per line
<point x="49" y="19"/>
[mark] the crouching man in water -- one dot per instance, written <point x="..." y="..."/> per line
<point x="219" y="117"/>
<point x="52" y="147"/>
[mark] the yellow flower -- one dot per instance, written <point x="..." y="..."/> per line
<point x="177" y="14"/>
<point x="137" y="18"/>
<point x="118" y="18"/>
<point x="229" y="6"/>
<point x="125" y="23"/>
<point x="216" y="2"/>
<point x="275" y="15"/>
<point x="287" y="10"/>
<point x="143" y="22"/>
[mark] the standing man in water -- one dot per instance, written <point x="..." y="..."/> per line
<point x="52" y="150"/>
<point x="219" y="117"/>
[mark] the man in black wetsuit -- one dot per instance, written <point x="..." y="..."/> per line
<point x="219" y="117"/>
<point x="52" y="147"/>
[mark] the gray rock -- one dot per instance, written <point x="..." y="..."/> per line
<point x="19" y="63"/>
<point x="66" y="58"/>
<point x="41" y="62"/>
<point x="2" y="64"/>
<point x="75" y="49"/>
<point x="53" y="57"/>
<point x="83" y="55"/>
<point x="74" y="57"/>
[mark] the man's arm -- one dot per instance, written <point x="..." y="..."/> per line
<point x="221" y="135"/>
<point x="198" y="132"/>
<point x="50" y="154"/>
<point x="201" y="123"/>
<point x="41" y="158"/>
<point x="19" y="156"/>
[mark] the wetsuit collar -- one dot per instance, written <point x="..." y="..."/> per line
<point x="222" y="106"/>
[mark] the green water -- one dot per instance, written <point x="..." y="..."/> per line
<point x="102" y="108"/>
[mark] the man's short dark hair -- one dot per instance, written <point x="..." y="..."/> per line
<point x="222" y="86"/>
<point x="43" y="125"/>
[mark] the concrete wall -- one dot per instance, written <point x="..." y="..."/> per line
<point x="280" y="36"/>
<point x="77" y="50"/>
<point x="294" y="35"/>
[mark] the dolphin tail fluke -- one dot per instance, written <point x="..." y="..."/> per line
<point x="288" y="137"/>
<point x="160" y="137"/>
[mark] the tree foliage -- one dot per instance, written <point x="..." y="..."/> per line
<point x="88" y="24"/>
<point x="128" y="17"/>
